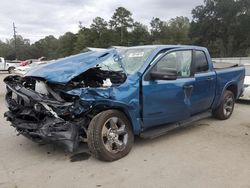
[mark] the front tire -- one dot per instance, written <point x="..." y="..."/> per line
<point x="110" y="135"/>
<point x="226" y="107"/>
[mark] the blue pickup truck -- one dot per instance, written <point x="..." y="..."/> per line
<point x="107" y="97"/>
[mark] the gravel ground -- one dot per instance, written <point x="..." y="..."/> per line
<point x="211" y="153"/>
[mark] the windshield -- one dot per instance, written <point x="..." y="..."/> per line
<point x="132" y="59"/>
<point x="247" y="67"/>
<point x="111" y="64"/>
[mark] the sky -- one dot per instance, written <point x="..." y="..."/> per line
<point x="35" y="19"/>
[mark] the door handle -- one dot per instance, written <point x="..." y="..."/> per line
<point x="210" y="79"/>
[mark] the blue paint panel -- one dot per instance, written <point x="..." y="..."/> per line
<point x="165" y="101"/>
<point x="125" y="97"/>
<point x="227" y="77"/>
<point x="203" y="93"/>
<point x="65" y="69"/>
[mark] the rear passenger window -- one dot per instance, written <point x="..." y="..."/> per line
<point x="201" y="64"/>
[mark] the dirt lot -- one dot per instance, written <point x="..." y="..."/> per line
<point x="211" y="153"/>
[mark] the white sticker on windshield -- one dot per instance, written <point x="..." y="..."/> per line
<point x="136" y="54"/>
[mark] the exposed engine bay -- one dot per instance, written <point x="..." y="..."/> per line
<point x="45" y="112"/>
<point x="96" y="77"/>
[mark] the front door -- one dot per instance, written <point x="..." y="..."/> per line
<point x="167" y="101"/>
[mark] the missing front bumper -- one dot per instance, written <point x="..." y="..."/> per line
<point x="45" y="118"/>
<point x="49" y="130"/>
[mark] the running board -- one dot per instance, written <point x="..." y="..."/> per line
<point x="161" y="130"/>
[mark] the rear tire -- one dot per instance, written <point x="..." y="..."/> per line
<point x="110" y="135"/>
<point x="226" y="107"/>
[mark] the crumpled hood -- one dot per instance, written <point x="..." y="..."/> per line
<point x="65" y="69"/>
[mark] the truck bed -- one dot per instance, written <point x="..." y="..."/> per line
<point x="229" y="75"/>
<point x="224" y="65"/>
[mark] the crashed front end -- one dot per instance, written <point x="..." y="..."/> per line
<point x="54" y="103"/>
<point x="41" y="114"/>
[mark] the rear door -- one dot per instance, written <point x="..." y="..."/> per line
<point x="166" y="101"/>
<point x="205" y="83"/>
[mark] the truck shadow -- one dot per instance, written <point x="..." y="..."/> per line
<point x="244" y="102"/>
<point x="83" y="153"/>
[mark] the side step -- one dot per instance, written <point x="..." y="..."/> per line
<point x="161" y="130"/>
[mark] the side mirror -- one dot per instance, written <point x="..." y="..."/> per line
<point x="164" y="74"/>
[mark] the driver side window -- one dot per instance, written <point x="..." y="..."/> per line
<point x="178" y="60"/>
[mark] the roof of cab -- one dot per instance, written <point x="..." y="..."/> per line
<point x="163" y="46"/>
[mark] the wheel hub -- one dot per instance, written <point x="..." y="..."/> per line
<point x="114" y="135"/>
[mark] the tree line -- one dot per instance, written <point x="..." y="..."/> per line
<point x="221" y="25"/>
